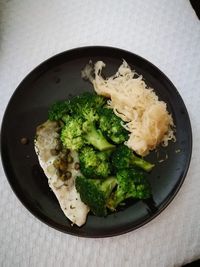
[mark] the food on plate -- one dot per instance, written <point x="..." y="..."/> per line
<point x="131" y="183"/>
<point x="95" y="193"/>
<point x="100" y="196"/>
<point x="60" y="170"/>
<point x="86" y="146"/>
<point x="123" y="157"/>
<point x="111" y="126"/>
<point x="94" y="163"/>
<point x="81" y="127"/>
<point x="24" y="140"/>
<point x="146" y="117"/>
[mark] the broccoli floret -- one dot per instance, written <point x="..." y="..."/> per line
<point x="101" y="194"/>
<point x="94" y="193"/>
<point x="59" y="111"/>
<point x="95" y="137"/>
<point x="83" y="111"/>
<point x="123" y="157"/>
<point x="78" y="132"/>
<point x="72" y="133"/>
<point x="142" y="185"/>
<point x="87" y="100"/>
<point x="94" y="164"/>
<point x="87" y="104"/>
<point x="125" y="189"/>
<point x="111" y="126"/>
<point x="131" y="184"/>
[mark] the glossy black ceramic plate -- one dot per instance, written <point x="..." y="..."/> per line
<point x="58" y="78"/>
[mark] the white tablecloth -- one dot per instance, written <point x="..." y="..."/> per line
<point x="166" y="32"/>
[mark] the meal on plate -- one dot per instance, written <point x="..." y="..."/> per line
<point x="92" y="146"/>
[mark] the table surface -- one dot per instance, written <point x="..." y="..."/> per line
<point x="167" y="33"/>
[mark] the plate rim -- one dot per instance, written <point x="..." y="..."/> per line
<point x="23" y="201"/>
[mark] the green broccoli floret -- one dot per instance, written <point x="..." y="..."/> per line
<point x="111" y="126"/>
<point x="125" y="189"/>
<point x="94" y="164"/>
<point x="131" y="184"/>
<point x="95" y="137"/>
<point x="81" y="124"/>
<point x="142" y="185"/>
<point x="108" y="193"/>
<point x="72" y="133"/>
<point x="87" y="104"/>
<point x="59" y="111"/>
<point x="78" y="132"/>
<point x="94" y="193"/>
<point x="123" y="157"/>
<point x="87" y="100"/>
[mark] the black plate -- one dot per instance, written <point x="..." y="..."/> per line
<point x="56" y="79"/>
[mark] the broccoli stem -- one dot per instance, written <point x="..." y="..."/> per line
<point x="112" y="203"/>
<point x="96" y="138"/>
<point x="147" y="166"/>
<point x="108" y="185"/>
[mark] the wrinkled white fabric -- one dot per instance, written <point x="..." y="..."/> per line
<point x="165" y="32"/>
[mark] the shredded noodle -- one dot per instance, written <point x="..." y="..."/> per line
<point x="145" y="116"/>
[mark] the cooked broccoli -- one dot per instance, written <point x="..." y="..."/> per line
<point x="123" y="157"/>
<point x="125" y="189"/>
<point x="111" y="126"/>
<point x="78" y="132"/>
<point x="59" y="111"/>
<point x="94" y="193"/>
<point x="81" y="125"/>
<point x="94" y="164"/>
<point x="72" y="133"/>
<point x="86" y="126"/>
<point x="87" y="104"/>
<point x="132" y="183"/>
<point x="87" y="100"/>
<point x="143" y="187"/>
<point x="101" y="194"/>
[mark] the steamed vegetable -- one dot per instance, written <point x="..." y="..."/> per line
<point x="59" y="110"/>
<point x="77" y="132"/>
<point x="109" y="193"/>
<point x="110" y="172"/>
<point x="95" y="193"/>
<point x="111" y="126"/>
<point x="81" y="126"/>
<point x="131" y="183"/>
<point x="94" y="163"/>
<point x="123" y="157"/>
